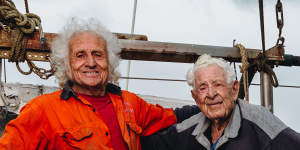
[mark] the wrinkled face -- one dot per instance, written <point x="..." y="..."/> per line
<point x="213" y="95"/>
<point x="88" y="60"/>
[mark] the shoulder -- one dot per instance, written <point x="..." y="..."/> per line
<point x="287" y="139"/>
<point x="131" y="97"/>
<point x="127" y="93"/>
<point x="190" y="122"/>
<point x="46" y="97"/>
<point x="263" y="118"/>
<point x="43" y="100"/>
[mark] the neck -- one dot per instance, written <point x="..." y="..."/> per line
<point x="217" y="128"/>
<point x="90" y="91"/>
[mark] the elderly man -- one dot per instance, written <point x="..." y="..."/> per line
<point x="225" y="123"/>
<point x="89" y="112"/>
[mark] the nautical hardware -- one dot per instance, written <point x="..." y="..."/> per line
<point x="280" y="22"/>
<point x="23" y="26"/>
<point x="262" y="65"/>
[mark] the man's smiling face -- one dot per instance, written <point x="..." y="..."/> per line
<point x="213" y="95"/>
<point x="88" y="60"/>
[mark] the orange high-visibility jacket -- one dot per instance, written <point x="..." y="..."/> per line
<point x="61" y="120"/>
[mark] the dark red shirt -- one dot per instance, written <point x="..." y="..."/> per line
<point x="105" y="108"/>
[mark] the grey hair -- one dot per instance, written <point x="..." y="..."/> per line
<point x="205" y="60"/>
<point x="60" y="52"/>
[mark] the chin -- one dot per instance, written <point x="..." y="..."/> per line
<point x="91" y="85"/>
<point x="215" y="116"/>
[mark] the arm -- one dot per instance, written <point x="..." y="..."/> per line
<point x="167" y="139"/>
<point x="154" y="117"/>
<point x="288" y="139"/>
<point x="24" y="132"/>
<point x="146" y="118"/>
<point x="186" y="112"/>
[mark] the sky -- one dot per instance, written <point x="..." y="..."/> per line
<point x="202" y="22"/>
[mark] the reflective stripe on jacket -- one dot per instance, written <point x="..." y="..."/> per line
<point x="61" y="120"/>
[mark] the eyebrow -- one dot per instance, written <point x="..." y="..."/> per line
<point x="205" y="82"/>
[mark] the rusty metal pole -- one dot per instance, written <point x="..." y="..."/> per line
<point x="266" y="90"/>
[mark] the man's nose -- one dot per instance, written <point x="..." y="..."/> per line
<point x="211" y="93"/>
<point x="90" y="62"/>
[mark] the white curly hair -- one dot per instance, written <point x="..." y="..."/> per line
<point x="205" y="60"/>
<point x="60" y="52"/>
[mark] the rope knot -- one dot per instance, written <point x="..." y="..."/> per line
<point x="244" y="69"/>
<point x="262" y="65"/>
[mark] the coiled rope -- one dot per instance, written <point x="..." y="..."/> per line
<point x="24" y="25"/>
<point x="261" y="64"/>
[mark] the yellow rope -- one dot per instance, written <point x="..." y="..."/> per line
<point x="262" y="65"/>
<point x="244" y="69"/>
<point x="24" y="24"/>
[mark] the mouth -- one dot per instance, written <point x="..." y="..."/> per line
<point x="214" y="104"/>
<point x="91" y="73"/>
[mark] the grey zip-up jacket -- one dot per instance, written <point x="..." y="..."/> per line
<point x="251" y="127"/>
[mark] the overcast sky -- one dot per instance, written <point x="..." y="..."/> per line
<point x="204" y="22"/>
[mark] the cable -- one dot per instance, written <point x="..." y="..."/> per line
<point x="131" y="32"/>
<point x="26" y="6"/>
<point x="289" y="86"/>
<point x="159" y="79"/>
<point x="4" y="71"/>
<point x="178" y="80"/>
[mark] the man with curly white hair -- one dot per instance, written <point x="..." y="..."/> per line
<point x="90" y="112"/>
<point x="225" y="122"/>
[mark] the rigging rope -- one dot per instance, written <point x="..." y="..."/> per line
<point x="262" y="65"/>
<point x="24" y="25"/>
<point x="244" y="69"/>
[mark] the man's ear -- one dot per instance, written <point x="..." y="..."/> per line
<point x="194" y="95"/>
<point x="235" y="89"/>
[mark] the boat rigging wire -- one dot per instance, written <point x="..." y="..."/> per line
<point x="262" y="30"/>
<point x="4" y="64"/>
<point x="131" y="32"/>
<point x="26" y="6"/>
<point x="179" y="80"/>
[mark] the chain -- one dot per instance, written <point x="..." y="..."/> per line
<point x="280" y="22"/>
<point x="41" y="72"/>
<point x="23" y="72"/>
